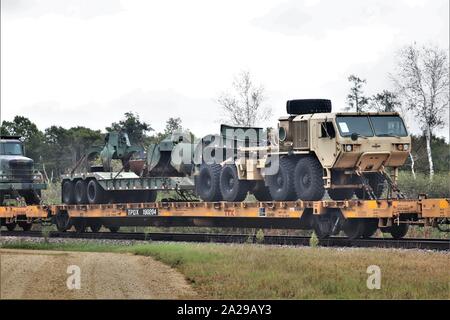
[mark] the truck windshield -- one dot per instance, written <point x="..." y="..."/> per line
<point x="354" y="124"/>
<point x="388" y="126"/>
<point x="11" y="148"/>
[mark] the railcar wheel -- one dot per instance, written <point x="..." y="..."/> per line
<point x="325" y="225"/>
<point x="399" y="231"/>
<point x="231" y="188"/>
<point x="261" y="192"/>
<point x="281" y="184"/>
<point x="11" y="226"/>
<point x="95" y="226"/>
<point x="207" y="183"/>
<point x="80" y="226"/>
<point x="68" y="193"/>
<point x="95" y="193"/>
<point x="340" y="194"/>
<point x="26" y="226"/>
<point x="354" y="228"/>
<point x="113" y="228"/>
<point x="62" y="221"/>
<point x="370" y="227"/>
<point x="81" y="192"/>
<point x="309" y="179"/>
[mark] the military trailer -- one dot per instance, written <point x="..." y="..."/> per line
<point x="18" y="177"/>
<point x="342" y="153"/>
<point x="137" y="181"/>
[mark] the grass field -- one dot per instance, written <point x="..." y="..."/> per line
<point x="270" y="272"/>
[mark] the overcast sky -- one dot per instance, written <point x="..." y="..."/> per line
<point x="86" y="62"/>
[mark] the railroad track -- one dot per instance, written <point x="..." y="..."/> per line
<point x="406" y="243"/>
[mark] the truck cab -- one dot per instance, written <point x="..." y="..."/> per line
<point x="352" y="148"/>
<point x="358" y="143"/>
<point x="18" y="177"/>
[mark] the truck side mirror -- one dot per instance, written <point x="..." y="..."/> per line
<point x="354" y="136"/>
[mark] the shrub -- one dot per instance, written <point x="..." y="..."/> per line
<point x="439" y="187"/>
<point x="313" y="241"/>
<point x="260" y="236"/>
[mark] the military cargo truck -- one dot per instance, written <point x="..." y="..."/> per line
<point x="18" y="177"/>
<point x="317" y="150"/>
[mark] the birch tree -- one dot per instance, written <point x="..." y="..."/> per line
<point x="422" y="80"/>
<point x="243" y="106"/>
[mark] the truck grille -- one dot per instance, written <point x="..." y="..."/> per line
<point x="21" y="171"/>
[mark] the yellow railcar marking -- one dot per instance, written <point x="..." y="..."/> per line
<point x="372" y="204"/>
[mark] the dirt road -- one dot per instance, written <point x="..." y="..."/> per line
<point x="31" y="274"/>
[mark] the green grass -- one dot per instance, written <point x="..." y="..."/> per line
<point x="266" y="272"/>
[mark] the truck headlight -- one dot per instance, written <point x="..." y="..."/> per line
<point x="348" y="147"/>
<point x="403" y="147"/>
<point x="37" y="177"/>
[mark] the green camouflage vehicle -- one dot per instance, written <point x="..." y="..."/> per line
<point x="18" y="177"/>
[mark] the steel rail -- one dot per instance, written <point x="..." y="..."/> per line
<point x="405" y="243"/>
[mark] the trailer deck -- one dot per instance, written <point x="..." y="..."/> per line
<point x="422" y="208"/>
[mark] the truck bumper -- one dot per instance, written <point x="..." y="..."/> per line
<point x="18" y="186"/>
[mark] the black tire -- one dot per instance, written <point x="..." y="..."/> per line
<point x="309" y="179"/>
<point x="360" y="194"/>
<point x="81" y="192"/>
<point x="26" y="226"/>
<point x="340" y="194"/>
<point x="376" y="182"/>
<point x="281" y="185"/>
<point x="207" y="183"/>
<point x="68" y="193"/>
<point x="11" y="226"/>
<point x="354" y="228"/>
<point x="370" y="227"/>
<point x="231" y="188"/>
<point x="261" y="192"/>
<point x="146" y="196"/>
<point x="113" y="228"/>
<point x="32" y="197"/>
<point x="306" y="106"/>
<point x="399" y="231"/>
<point x="95" y="192"/>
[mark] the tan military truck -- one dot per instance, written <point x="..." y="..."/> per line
<point x="317" y="150"/>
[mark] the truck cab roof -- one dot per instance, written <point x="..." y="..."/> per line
<point x="4" y="138"/>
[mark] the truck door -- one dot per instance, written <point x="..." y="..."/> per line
<point x="324" y="142"/>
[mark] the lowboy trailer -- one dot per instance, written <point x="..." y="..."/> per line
<point x="357" y="218"/>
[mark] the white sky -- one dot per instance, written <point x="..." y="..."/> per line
<point x="86" y="62"/>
